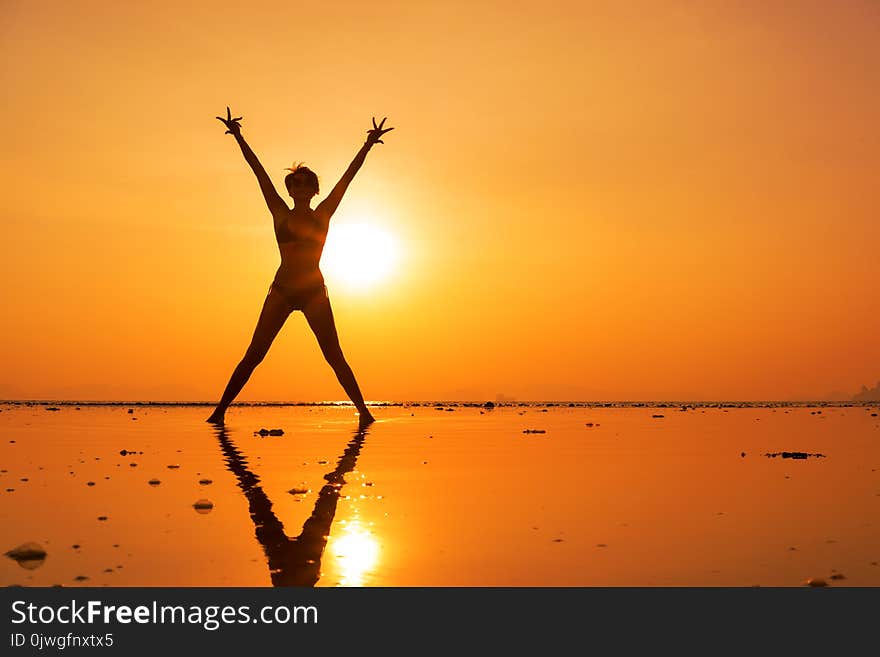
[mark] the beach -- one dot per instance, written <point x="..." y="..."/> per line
<point x="602" y="494"/>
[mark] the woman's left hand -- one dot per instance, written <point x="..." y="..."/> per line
<point x="374" y="136"/>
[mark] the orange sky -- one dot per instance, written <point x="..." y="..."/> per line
<point x="593" y="200"/>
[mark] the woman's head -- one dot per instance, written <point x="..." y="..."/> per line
<point x="301" y="181"/>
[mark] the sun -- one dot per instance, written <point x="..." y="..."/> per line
<point x="359" y="255"/>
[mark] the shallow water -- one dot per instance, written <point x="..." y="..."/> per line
<point x="438" y="497"/>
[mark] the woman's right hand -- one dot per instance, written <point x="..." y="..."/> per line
<point x="374" y="136"/>
<point x="233" y="127"/>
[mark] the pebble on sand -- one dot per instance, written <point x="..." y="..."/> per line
<point x="203" y="505"/>
<point x="534" y="431"/>
<point x="269" y="432"/>
<point x="102" y="518"/>
<point x="28" y="555"/>
<point x="154" y="482"/>
<point x="173" y="466"/>
<point x="298" y="491"/>
<point x="206" y="482"/>
<point x="816" y="582"/>
<point x="658" y="416"/>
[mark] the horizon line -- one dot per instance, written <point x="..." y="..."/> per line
<point x="433" y="402"/>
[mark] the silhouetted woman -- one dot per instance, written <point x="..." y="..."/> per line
<point x="298" y="283"/>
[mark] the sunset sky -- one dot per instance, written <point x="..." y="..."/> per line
<point x="587" y="200"/>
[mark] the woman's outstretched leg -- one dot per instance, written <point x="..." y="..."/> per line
<point x="275" y="312"/>
<point x="319" y="315"/>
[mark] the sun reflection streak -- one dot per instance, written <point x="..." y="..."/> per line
<point x="356" y="551"/>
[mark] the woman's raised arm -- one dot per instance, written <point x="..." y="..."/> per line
<point x="374" y="136"/>
<point x="273" y="200"/>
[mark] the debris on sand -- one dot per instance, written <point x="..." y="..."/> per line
<point x="489" y="405"/>
<point x="173" y="466"/>
<point x="534" y="431"/>
<point x="269" y="432"/>
<point x="206" y="482"/>
<point x="837" y="576"/>
<point x="816" y="582"/>
<point x="794" y="455"/>
<point x="203" y="506"/>
<point x="154" y="482"/>
<point x="28" y="555"/>
<point x="53" y="408"/>
<point x="658" y="416"/>
<point x="298" y="491"/>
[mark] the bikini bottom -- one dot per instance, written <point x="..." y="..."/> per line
<point x="299" y="298"/>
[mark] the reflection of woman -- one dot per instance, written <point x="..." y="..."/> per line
<point x="292" y="561"/>
<point x="298" y="283"/>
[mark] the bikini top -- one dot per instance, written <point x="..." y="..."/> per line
<point x="284" y="235"/>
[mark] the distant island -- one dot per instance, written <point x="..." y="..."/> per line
<point x="868" y="394"/>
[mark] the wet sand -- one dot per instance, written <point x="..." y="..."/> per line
<point x="533" y="495"/>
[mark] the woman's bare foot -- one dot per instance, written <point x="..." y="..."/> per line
<point x="216" y="418"/>
<point x="365" y="418"/>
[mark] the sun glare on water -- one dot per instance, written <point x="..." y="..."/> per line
<point x="359" y="255"/>
<point x="356" y="551"/>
